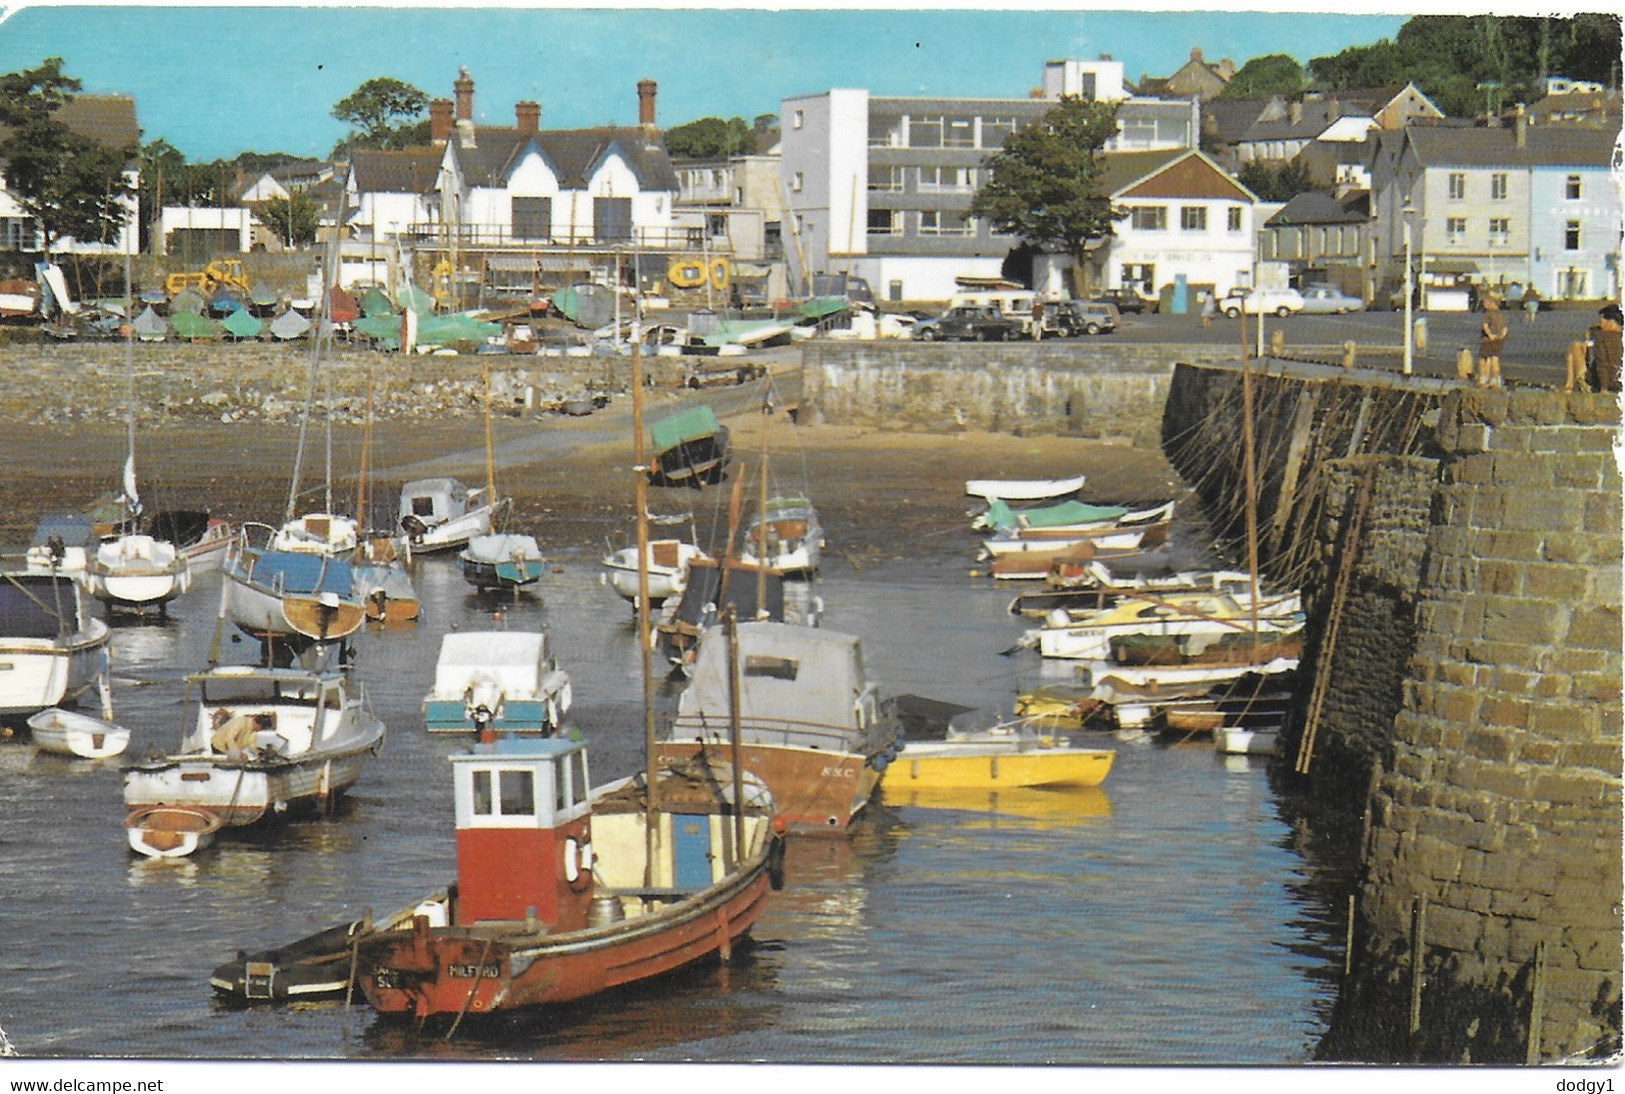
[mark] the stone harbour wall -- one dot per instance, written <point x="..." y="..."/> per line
<point x="1460" y="556"/>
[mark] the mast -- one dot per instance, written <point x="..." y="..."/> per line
<point x="324" y="322"/>
<point x="1248" y="479"/>
<point x="490" y="458"/>
<point x="131" y="500"/>
<point x="640" y="494"/>
<point x="730" y="617"/>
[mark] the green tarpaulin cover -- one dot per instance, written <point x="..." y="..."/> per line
<point x="240" y="324"/>
<point x="192" y="325"/>
<point x="685" y="425"/>
<point x="1001" y="517"/>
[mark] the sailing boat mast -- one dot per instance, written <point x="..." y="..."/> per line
<point x="132" y="500"/>
<point x="1249" y="478"/>
<point x="324" y="323"/>
<point x="640" y="494"/>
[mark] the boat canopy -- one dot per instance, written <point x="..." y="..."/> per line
<point x="685" y="425"/>
<point x="302" y="571"/>
<point x="35" y="605"/>
<point x="512" y="659"/>
<point x="1001" y="517"/>
<point x="783" y="667"/>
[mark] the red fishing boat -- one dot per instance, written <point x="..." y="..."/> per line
<point x="562" y="893"/>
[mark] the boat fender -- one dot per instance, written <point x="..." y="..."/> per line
<point x="577" y="863"/>
<point x="775" y="858"/>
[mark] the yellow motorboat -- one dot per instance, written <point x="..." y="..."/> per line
<point x="995" y="757"/>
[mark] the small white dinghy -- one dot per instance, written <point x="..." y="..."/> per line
<point x="70" y="733"/>
<point x="170" y="831"/>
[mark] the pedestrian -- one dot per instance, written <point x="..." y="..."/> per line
<point x="1493" y="339"/>
<point x="1603" y="363"/>
<point x="1208" y="309"/>
<point x="1038" y="319"/>
<point x="1531" y="304"/>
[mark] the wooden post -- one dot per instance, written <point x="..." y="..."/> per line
<point x="1464" y="365"/>
<point x="1537" y="1006"/>
<point x="1349" y="354"/>
<point x="1419" y="919"/>
<point x="1277" y="342"/>
<point x="1348" y="941"/>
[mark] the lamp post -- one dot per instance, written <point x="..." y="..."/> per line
<point x="1406" y="214"/>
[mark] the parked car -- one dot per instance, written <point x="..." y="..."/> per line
<point x="1329" y="300"/>
<point x="973" y="323"/>
<point x="1126" y="301"/>
<point x="1281" y="302"/>
<point x="1076" y="317"/>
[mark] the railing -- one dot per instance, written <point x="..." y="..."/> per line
<point x="503" y="237"/>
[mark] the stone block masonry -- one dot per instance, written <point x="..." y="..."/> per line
<point x="1460" y="554"/>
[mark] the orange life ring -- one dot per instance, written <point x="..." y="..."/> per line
<point x="721" y="271"/>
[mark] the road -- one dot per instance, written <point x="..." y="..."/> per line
<point x="1534" y="351"/>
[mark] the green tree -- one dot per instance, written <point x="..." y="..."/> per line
<point x="1277" y="183"/>
<point x="1261" y="77"/>
<point x="711" y="138"/>
<point x="1044" y="184"/>
<point x="294" y="219"/>
<point x="383" y="113"/>
<point x="73" y="185"/>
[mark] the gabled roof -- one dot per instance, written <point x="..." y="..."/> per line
<point x="1169" y="173"/>
<point x="109" y="120"/>
<point x="413" y="171"/>
<point x="1315" y="117"/>
<point x="1228" y="119"/>
<point x="1544" y="146"/>
<point x="1319" y="207"/>
<point x="1592" y="107"/>
<point x="574" y="153"/>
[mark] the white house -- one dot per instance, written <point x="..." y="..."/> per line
<point x="391" y="192"/>
<point x="110" y="121"/>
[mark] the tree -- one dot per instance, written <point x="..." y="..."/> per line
<point x="711" y="138"/>
<point x="1280" y="183"/>
<point x="1044" y="184"/>
<point x="294" y="219"/>
<point x="1261" y="77"/>
<point x="383" y="113"/>
<point x="73" y="185"/>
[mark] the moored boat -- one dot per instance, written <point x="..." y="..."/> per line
<point x="563" y="893"/>
<point x="690" y="448"/>
<point x="289" y="596"/>
<point x="785" y="536"/>
<point x="441" y="514"/>
<point x="136" y="571"/>
<point x="53" y="649"/>
<point x="496" y="681"/>
<point x="259" y="741"/>
<point x="170" y="831"/>
<point x="72" y="733"/>
<point x="1006" y="754"/>
<point x="1024" y="489"/>
<point x="807" y="717"/>
<point x="666" y="562"/>
<point x="501" y="561"/>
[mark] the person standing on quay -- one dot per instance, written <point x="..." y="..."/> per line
<point x="1493" y="340"/>
<point x="1531" y="304"/>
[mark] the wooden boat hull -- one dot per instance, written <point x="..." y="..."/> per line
<point x="697" y="462"/>
<point x="263" y="604"/>
<point x="930" y="766"/>
<point x="814" y="790"/>
<point x="69" y="733"/>
<point x="490" y="966"/>
<point x="170" y="831"/>
<point x="1230" y="650"/>
<point x="1024" y="489"/>
<point x="386" y="593"/>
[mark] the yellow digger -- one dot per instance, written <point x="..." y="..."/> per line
<point x="223" y="272"/>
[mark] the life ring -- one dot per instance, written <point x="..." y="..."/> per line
<point x="721" y="270"/>
<point x="577" y="863"/>
<point x="685" y="273"/>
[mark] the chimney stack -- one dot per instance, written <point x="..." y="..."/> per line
<point x="440" y="120"/>
<point x="1196" y="53"/>
<point x="464" y="86"/>
<point x="528" y="117"/>
<point x="646" y="103"/>
<point x="1520" y="127"/>
<point x="1294" y="112"/>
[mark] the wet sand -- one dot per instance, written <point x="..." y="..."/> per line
<point x="888" y="494"/>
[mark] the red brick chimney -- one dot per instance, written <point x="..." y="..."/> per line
<point x="527" y="117"/>
<point x="646" y="103"/>
<point x="440" y="120"/>
<point x="464" y="86"/>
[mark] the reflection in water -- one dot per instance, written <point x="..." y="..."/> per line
<point x="1051" y="807"/>
<point x="154" y="873"/>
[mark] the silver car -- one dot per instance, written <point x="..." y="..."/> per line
<point x="1329" y="300"/>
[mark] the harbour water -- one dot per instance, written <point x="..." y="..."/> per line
<point x="1170" y="917"/>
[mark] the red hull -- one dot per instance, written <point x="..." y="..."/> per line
<point x="813" y="791"/>
<point x="456" y="971"/>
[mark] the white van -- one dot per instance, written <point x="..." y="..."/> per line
<point x="1016" y="304"/>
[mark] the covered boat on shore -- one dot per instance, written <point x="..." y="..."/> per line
<point x="502" y="560"/>
<point x="690" y="448"/>
<point x="561" y="892"/>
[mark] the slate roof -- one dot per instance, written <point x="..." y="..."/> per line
<point x="1545" y="146"/>
<point x="109" y="120"/>
<point x="1228" y="119"/>
<point x="412" y="171"/>
<point x="1317" y="116"/>
<point x="572" y="152"/>
<point x="1319" y="207"/>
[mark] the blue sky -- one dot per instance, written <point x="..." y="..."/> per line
<point x="217" y="80"/>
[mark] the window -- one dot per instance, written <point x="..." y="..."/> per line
<point x="1137" y="132"/>
<point x="1458" y="185"/>
<point x="1149" y="218"/>
<point x="885" y="132"/>
<point x="795" y="182"/>
<point x="1571" y="236"/>
<point x="797" y="119"/>
<point x="776" y="668"/>
<point x="883" y="222"/>
<point x="885" y="178"/>
<point x="1232" y="218"/>
<point x="1500" y="231"/>
<point x="1498" y="186"/>
<point x="716" y="225"/>
<point x="1455" y="230"/>
<point x="1571" y="188"/>
<point x="945" y="178"/>
<point x="959" y="133"/>
<point x="1193" y="218"/>
<point x="612" y="219"/>
<point x="937" y="223"/>
<point x="925" y="132"/>
<point x="515" y="794"/>
<point x="996" y="130"/>
<point x="18" y="234"/>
